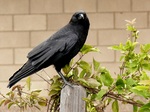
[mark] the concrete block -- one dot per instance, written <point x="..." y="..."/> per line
<point x="29" y="22"/>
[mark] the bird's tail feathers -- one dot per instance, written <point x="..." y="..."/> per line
<point x="26" y="70"/>
<point x="16" y="72"/>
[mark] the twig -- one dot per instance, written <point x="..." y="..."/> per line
<point x="43" y="79"/>
<point x="122" y="68"/>
<point x="105" y="95"/>
<point x="48" y="105"/>
<point x="11" y="100"/>
<point x="46" y="74"/>
<point x="117" y="97"/>
<point x="30" y="95"/>
<point x="76" y="62"/>
<point x="52" y="105"/>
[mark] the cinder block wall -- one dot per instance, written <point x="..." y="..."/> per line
<point x="26" y="23"/>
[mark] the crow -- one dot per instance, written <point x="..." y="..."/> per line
<point x="57" y="50"/>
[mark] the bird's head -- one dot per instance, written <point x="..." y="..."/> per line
<point x="80" y="18"/>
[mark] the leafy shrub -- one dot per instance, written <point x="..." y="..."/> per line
<point x="102" y="89"/>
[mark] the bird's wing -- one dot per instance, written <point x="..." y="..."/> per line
<point x="39" y="50"/>
<point x="52" y="48"/>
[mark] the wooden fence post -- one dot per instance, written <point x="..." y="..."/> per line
<point x="71" y="99"/>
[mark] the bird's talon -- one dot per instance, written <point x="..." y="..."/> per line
<point x="67" y="83"/>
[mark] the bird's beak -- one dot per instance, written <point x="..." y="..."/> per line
<point x="81" y="16"/>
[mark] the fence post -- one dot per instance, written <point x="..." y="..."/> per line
<point x="71" y="99"/>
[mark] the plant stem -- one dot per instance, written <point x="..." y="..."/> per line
<point x="48" y="105"/>
<point x="44" y="79"/>
<point x="118" y="97"/>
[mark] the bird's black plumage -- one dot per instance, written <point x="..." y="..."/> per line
<point x="57" y="50"/>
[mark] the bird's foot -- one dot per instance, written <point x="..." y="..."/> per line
<point x="67" y="83"/>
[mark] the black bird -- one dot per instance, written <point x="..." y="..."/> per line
<point x="57" y="50"/>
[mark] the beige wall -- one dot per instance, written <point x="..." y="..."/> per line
<point x="26" y="23"/>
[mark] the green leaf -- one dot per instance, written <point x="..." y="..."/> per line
<point x="28" y="82"/>
<point x="145" y="48"/>
<point x="130" y="28"/>
<point x="100" y="94"/>
<point x="35" y="93"/>
<point x="9" y="93"/>
<point x="56" y="86"/>
<point x="146" y="65"/>
<point x="88" y="48"/>
<point x="1" y="102"/>
<point x="144" y="82"/>
<point x="106" y="77"/>
<point x="135" y="108"/>
<point x="145" y="108"/>
<point x="141" y="91"/>
<point x="120" y="83"/>
<point x="96" y="64"/>
<point x="85" y="66"/>
<point x="82" y="73"/>
<point x="38" y="91"/>
<point x="115" y="106"/>
<point x="130" y="82"/>
<point x="92" y="82"/>
<point x="122" y="58"/>
<point x="141" y="88"/>
<point x="82" y="81"/>
<point x="53" y="92"/>
<point x="66" y="69"/>
<point x="144" y="76"/>
<point x="117" y="47"/>
<point x="42" y="103"/>
<point x="75" y="71"/>
<point x="10" y="104"/>
<point x="55" y="79"/>
<point x="86" y="100"/>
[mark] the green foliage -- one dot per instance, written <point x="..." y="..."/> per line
<point x="24" y="100"/>
<point x="105" y="77"/>
<point x="115" y="106"/>
<point x="145" y="108"/>
<point x="88" y="48"/>
<point x="28" y="82"/>
<point x="102" y="89"/>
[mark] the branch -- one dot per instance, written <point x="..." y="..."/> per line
<point x="73" y="66"/>
<point x="120" y="98"/>
<point x="44" y="79"/>
<point x="48" y="105"/>
<point x="10" y="100"/>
